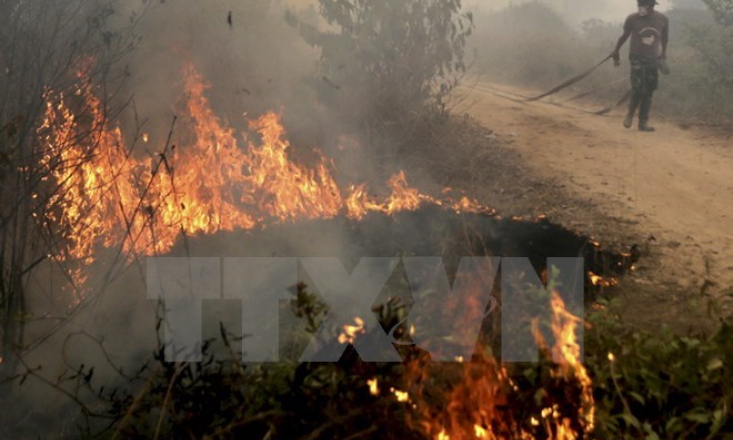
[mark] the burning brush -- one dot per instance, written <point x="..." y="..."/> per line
<point x="214" y="186"/>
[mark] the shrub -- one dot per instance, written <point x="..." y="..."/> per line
<point x="661" y="386"/>
<point x="385" y="61"/>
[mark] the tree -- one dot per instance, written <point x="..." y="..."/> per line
<point x="386" y="61"/>
<point x="723" y="10"/>
<point x="688" y="4"/>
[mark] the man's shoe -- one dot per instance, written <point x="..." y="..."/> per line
<point x="628" y="121"/>
<point x="644" y="127"/>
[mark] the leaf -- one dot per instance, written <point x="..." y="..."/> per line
<point x="88" y="377"/>
<point x="631" y="420"/>
<point x="714" y="364"/>
<point x="638" y="397"/>
<point x="651" y="435"/>
<point x="719" y="419"/>
<point x="702" y="418"/>
<point x="672" y="425"/>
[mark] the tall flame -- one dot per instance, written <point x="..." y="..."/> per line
<point x="480" y="400"/>
<point x="568" y="351"/>
<point x="108" y="197"/>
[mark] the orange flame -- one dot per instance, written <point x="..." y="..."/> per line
<point x="477" y="405"/>
<point x="567" y="350"/>
<point x="106" y="197"/>
<point x="351" y="331"/>
<point x="599" y="281"/>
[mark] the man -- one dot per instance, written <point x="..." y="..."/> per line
<point x="649" y="32"/>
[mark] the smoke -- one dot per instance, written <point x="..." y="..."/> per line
<point x="254" y="62"/>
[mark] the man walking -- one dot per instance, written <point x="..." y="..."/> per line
<point x="649" y="32"/>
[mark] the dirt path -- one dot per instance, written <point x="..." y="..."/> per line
<point x="675" y="185"/>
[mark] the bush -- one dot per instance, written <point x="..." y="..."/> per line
<point x="701" y="56"/>
<point x="661" y="386"/>
<point x="650" y="386"/>
<point x="384" y="62"/>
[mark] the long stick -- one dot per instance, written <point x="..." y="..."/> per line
<point x="570" y="82"/>
<point x="597" y="89"/>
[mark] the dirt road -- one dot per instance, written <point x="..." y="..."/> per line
<point x="675" y="185"/>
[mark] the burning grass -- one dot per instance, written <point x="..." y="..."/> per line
<point x="213" y="184"/>
<point x="643" y="385"/>
<point x="210" y="185"/>
<point x="471" y="398"/>
<point x="215" y="187"/>
<point x="107" y="197"/>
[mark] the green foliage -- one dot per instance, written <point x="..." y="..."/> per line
<point x="385" y="60"/>
<point x="655" y="386"/>
<point x="702" y="52"/>
<point x="661" y="386"/>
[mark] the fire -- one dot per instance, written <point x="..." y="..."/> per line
<point x="402" y="396"/>
<point x="473" y="408"/>
<point x="403" y="198"/>
<point x="567" y="350"/>
<point x="480" y="399"/>
<point x="210" y="181"/>
<point x="480" y="432"/>
<point x="373" y="386"/>
<point x="351" y="331"/>
<point x="214" y="180"/>
<point x="599" y="281"/>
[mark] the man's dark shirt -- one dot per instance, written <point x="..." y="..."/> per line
<point x="646" y="33"/>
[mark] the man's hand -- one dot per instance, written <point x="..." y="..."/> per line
<point x="662" y="64"/>
<point x="616" y="58"/>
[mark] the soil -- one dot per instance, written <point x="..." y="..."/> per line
<point x="670" y="192"/>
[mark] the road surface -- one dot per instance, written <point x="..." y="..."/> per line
<point x="675" y="184"/>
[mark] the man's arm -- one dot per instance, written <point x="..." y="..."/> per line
<point x="621" y="42"/>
